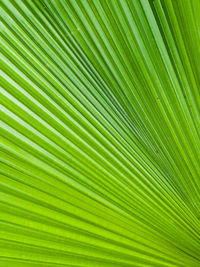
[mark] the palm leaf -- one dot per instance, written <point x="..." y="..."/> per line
<point x="99" y="132"/>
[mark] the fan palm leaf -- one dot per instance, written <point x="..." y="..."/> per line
<point x="100" y="147"/>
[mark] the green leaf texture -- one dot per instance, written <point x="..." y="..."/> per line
<point x="99" y="139"/>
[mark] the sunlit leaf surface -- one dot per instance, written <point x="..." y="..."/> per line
<point x="100" y="147"/>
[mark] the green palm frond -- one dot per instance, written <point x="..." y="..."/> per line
<point x="100" y="126"/>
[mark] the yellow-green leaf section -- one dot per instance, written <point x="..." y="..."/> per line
<point x="99" y="137"/>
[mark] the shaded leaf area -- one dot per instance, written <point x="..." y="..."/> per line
<point x="100" y="133"/>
